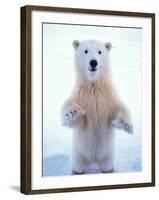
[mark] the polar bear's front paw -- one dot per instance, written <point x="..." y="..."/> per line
<point x="71" y="116"/>
<point x="126" y="126"/>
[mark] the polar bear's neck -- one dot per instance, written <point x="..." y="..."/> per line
<point x="94" y="85"/>
<point x="103" y="78"/>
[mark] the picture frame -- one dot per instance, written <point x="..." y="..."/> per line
<point x="33" y="19"/>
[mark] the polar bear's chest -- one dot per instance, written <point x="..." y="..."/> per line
<point x="98" y="105"/>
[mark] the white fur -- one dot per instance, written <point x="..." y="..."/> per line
<point x="94" y="109"/>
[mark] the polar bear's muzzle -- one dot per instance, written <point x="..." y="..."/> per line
<point x="93" y="65"/>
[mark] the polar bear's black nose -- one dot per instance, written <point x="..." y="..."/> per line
<point x="93" y="63"/>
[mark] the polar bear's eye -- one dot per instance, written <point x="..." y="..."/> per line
<point x="86" y="51"/>
<point x="99" y="52"/>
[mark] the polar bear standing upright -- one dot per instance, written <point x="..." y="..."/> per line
<point x="94" y="108"/>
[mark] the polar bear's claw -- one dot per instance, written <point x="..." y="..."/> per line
<point x="69" y="118"/>
<point x="126" y="126"/>
<point x="72" y="115"/>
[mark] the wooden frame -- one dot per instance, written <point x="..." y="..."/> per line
<point x="26" y="104"/>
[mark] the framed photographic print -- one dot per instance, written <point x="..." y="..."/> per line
<point x="87" y="99"/>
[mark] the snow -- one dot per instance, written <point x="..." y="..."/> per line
<point x="127" y="156"/>
<point x="58" y="81"/>
<point x="128" y="159"/>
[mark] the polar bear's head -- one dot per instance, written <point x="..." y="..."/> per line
<point x="92" y="58"/>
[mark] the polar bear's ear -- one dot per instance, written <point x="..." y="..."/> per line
<point x="108" y="46"/>
<point x="76" y="44"/>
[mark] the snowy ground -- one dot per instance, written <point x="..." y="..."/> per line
<point x="58" y="81"/>
<point x="128" y="159"/>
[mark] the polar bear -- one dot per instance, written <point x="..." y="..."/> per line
<point x="94" y="108"/>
